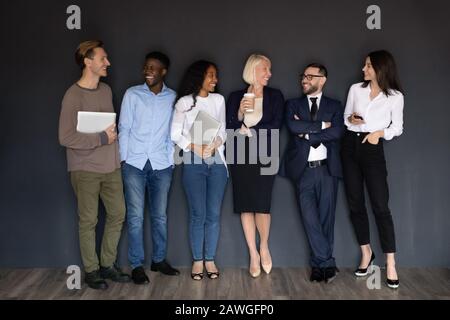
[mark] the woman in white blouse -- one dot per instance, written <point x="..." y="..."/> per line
<point x="374" y="113"/>
<point x="204" y="167"/>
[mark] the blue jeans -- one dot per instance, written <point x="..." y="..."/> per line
<point x="204" y="185"/>
<point x="157" y="184"/>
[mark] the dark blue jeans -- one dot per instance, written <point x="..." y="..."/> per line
<point x="138" y="184"/>
<point x="204" y="185"/>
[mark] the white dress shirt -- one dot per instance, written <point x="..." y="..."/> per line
<point x="382" y="113"/>
<point x="320" y="152"/>
<point x="183" y="119"/>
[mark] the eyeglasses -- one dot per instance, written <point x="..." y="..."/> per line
<point x="310" y="76"/>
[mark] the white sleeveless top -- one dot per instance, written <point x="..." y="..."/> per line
<point x="251" y="119"/>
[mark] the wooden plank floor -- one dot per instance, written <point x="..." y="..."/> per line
<point x="233" y="284"/>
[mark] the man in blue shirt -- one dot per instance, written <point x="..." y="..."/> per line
<point x="146" y="153"/>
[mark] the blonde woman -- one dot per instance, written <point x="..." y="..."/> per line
<point x="252" y="191"/>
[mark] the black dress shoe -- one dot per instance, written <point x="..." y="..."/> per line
<point x="139" y="277"/>
<point x="95" y="281"/>
<point x="114" y="273"/>
<point x="316" y="275"/>
<point x="362" y="272"/>
<point x="329" y="274"/>
<point x="164" y="268"/>
<point x="393" y="284"/>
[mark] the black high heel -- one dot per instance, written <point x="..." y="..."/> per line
<point x="362" y="272"/>
<point x="197" y="276"/>
<point x="213" y="275"/>
<point x="393" y="284"/>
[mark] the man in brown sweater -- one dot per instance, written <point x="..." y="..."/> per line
<point x="94" y="166"/>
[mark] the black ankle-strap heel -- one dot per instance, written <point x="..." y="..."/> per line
<point x="362" y="272"/>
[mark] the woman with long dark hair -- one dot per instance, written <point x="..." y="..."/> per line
<point x="374" y="113"/>
<point x="204" y="168"/>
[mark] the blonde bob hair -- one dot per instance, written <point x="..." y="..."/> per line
<point x="249" y="70"/>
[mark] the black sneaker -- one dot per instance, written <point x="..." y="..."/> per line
<point x="139" y="277"/>
<point x="114" y="273"/>
<point x="316" y="275"/>
<point x="164" y="268"/>
<point x="95" y="281"/>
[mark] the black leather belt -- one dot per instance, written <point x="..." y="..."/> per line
<point x="317" y="163"/>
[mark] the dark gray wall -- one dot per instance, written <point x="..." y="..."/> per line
<point x="38" y="219"/>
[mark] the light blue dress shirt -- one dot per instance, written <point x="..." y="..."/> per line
<point x="144" y="127"/>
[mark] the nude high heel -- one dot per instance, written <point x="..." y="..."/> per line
<point x="267" y="267"/>
<point x="255" y="272"/>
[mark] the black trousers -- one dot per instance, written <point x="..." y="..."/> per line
<point x="364" y="163"/>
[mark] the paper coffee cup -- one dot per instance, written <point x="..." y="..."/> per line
<point x="250" y="96"/>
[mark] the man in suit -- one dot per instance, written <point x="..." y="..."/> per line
<point x="312" y="161"/>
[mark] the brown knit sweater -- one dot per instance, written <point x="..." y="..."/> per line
<point x="87" y="151"/>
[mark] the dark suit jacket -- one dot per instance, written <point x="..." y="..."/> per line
<point x="273" y="112"/>
<point x="296" y="156"/>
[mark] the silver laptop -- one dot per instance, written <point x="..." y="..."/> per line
<point x="204" y="129"/>
<point x="93" y="122"/>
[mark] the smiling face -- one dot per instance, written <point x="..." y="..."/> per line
<point x="369" y="71"/>
<point x="209" y="82"/>
<point x="314" y="85"/>
<point x="154" y="72"/>
<point x="99" y="63"/>
<point x="262" y="73"/>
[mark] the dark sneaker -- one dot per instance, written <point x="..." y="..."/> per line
<point x="114" y="273"/>
<point x="316" y="275"/>
<point x="139" y="277"/>
<point x="164" y="268"/>
<point x="95" y="281"/>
